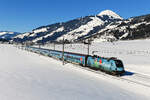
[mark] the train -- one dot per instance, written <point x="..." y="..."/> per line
<point x="111" y="65"/>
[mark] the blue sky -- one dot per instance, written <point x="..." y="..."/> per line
<point x="25" y="15"/>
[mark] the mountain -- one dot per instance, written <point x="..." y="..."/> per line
<point x="129" y="29"/>
<point x="71" y="31"/>
<point x="8" y="35"/>
<point x="105" y="26"/>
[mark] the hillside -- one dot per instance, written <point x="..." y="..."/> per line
<point x="105" y="26"/>
<point x="8" y="34"/>
<point x="129" y="29"/>
<point x="71" y="30"/>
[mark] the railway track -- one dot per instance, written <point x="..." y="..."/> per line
<point x="139" y="79"/>
<point x="135" y="78"/>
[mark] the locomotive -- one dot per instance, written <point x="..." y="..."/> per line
<point x="111" y="65"/>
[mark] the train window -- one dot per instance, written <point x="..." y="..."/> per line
<point x="119" y="63"/>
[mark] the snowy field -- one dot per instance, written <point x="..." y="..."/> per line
<point x="29" y="76"/>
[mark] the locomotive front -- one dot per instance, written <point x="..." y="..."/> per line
<point x="119" y="67"/>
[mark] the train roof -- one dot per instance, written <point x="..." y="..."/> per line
<point x="111" y="58"/>
<point x="67" y="52"/>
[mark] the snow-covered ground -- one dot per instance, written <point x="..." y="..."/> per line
<point x="28" y="76"/>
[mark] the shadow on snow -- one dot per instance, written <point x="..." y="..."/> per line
<point x="127" y="73"/>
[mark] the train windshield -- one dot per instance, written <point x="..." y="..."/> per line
<point x="119" y="63"/>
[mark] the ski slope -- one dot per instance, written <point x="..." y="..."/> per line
<point x="29" y="76"/>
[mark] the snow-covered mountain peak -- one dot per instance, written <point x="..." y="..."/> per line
<point x="110" y="13"/>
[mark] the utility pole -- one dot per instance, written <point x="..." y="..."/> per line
<point x="39" y="46"/>
<point x="63" y="51"/>
<point x="88" y="47"/>
<point x="54" y="45"/>
<point x="22" y="46"/>
<point x="49" y="47"/>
